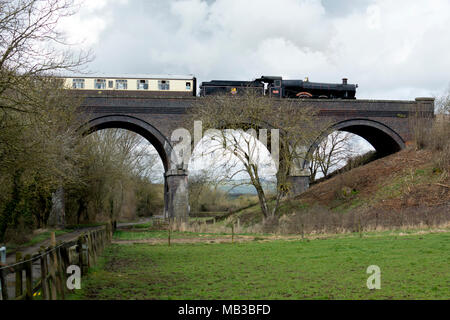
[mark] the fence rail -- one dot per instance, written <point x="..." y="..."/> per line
<point x="53" y="262"/>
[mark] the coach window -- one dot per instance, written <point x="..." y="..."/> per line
<point x="142" y="84"/>
<point x="188" y="86"/>
<point x="121" y="84"/>
<point x="163" y="85"/>
<point x="78" y="84"/>
<point x="110" y="84"/>
<point x="100" y="84"/>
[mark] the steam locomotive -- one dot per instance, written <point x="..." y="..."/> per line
<point x="147" y="85"/>
<point x="279" y="88"/>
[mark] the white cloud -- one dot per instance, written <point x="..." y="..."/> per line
<point x="84" y="28"/>
<point x="392" y="49"/>
<point x="395" y="46"/>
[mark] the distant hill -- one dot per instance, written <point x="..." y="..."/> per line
<point x="238" y="187"/>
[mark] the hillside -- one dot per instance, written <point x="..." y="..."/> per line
<point x="401" y="190"/>
<point x="403" y="180"/>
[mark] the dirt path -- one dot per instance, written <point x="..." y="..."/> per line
<point x="36" y="267"/>
<point x="209" y="239"/>
<point x="263" y="238"/>
<point x="128" y="224"/>
<point x="11" y="257"/>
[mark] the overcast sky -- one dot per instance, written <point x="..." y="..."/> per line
<point x="392" y="49"/>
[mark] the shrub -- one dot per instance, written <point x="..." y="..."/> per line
<point x="435" y="136"/>
<point x="421" y="126"/>
<point x="20" y="233"/>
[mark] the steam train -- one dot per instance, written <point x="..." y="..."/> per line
<point x="145" y="85"/>
<point x="279" y="88"/>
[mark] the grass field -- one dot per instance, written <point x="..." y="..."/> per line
<point x="412" y="267"/>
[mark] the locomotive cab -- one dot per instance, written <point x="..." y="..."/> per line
<point x="273" y="86"/>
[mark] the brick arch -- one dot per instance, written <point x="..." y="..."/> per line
<point x="141" y="127"/>
<point x="383" y="138"/>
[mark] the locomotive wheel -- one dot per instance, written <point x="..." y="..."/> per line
<point x="304" y="95"/>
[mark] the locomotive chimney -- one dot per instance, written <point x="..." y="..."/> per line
<point x="344" y="81"/>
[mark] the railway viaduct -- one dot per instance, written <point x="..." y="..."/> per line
<point x="383" y="123"/>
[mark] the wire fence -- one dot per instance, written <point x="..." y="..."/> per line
<point x="51" y="264"/>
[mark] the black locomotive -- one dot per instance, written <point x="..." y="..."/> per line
<point x="277" y="87"/>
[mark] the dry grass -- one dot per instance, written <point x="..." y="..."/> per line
<point x="434" y="136"/>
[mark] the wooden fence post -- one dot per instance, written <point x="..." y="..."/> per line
<point x="65" y="258"/>
<point x="82" y="258"/>
<point x="59" y="272"/>
<point x="29" y="277"/>
<point x="4" y="284"/>
<point x="56" y="277"/>
<point x="170" y="231"/>
<point x="89" y="249"/>
<point x="96" y="244"/>
<point x="44" y="274"/>
<point x="232" y="233"/>
<point x="19" y="283"/>
<point x="52" y="277"/>
<point x="85" y="253"/>
<point x="90" y="246"/>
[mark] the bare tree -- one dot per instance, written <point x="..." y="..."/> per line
<point x="333" y="151"/>
<point x="198" y="183"/>
<point x="38" y="118"/>
<point x="295" y="129"/>
<point x="31" y="44"/>
<point x="442" y="105"/>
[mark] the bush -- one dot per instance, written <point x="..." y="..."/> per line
<point x="19" y="234"/>
<point x="434" y="136"/>
<point x="421" y="126"/>
<point x="441" y="142"/>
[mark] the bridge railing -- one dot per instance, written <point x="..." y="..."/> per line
<point x="52" y="263"/>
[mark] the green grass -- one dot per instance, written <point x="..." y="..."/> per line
<point x="396" y="186"/>
<point x="412" y="267"/>
<point x="143" y="225"/>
